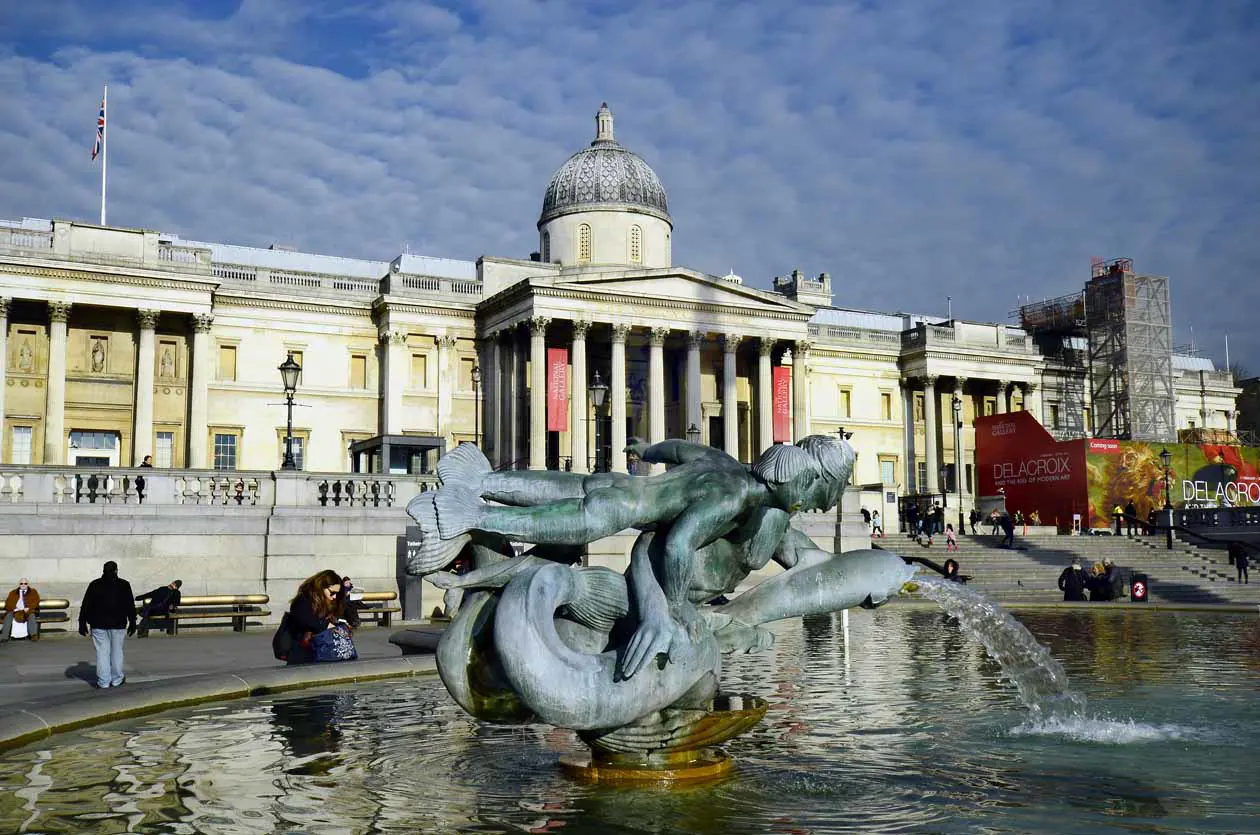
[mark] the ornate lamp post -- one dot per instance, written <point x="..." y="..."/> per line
<point x="1166" y="458"/>
<point x="958" y="473"/>
<point x="476" y="381"/>
<point x="599" y="392"/>
<point x="289" y="371"/>
<point x="693" y="434"/>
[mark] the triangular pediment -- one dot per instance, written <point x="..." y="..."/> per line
<point x="665" y="286"/>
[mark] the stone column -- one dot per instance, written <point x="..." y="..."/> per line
<point x="1003" y="404"/>
<point x="800" y="390"/>
<point x="693" y="417"/>
<point x="912" y="470"/>
<point x="538" y="392"/>
<point x="1031" y="404"/>
<point x="578" y="407"/>
<point x="765" y="394"/>
<point x="55" y="411"/>
<point x="506" y="448"/>
<point x="929" y="433"/>
<point x="446" y="390"/>
<point x="960" y="456"/>
<point x="617" y="398"/>
<point x="142" y="441"/>
<point x="656" y="389"/>
<point x="4" y="357"/>
<point x="488" y="362"/>
<point x="199" y="392"/>
<point x="730" y="395"/>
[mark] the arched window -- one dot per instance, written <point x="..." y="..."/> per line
<point x="636" y="245"/>
<point x="546" y="248"/>
<point x="584" y="243"/>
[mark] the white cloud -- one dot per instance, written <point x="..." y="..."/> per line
<point x="914" y="150"/>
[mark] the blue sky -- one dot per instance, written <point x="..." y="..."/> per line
<point x="981" y="150"/>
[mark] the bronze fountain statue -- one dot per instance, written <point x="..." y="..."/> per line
<point x="633" y="662"/>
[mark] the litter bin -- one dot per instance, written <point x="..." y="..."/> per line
<point x="1140" y="588"/>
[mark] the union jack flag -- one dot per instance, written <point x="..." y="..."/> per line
<point x="100" y="131"/>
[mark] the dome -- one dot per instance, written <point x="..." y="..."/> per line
<point x="605" y="175"/>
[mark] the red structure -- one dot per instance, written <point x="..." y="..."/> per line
<point x="1018" y="458"/>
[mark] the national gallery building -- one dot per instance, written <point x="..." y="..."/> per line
<point x="122" y="343"/>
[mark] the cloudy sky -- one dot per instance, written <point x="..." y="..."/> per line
<point x="914" y="149"/>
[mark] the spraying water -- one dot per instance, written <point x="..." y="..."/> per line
<point x="1040" y="680"/>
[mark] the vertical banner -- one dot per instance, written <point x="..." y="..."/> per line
<point x="782" y="387"/>
<point x="557" y="389"/>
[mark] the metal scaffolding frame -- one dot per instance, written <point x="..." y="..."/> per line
<point x="1058" y="326"/>
<point x="1129" y="324"/>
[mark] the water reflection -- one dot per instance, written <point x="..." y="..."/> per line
<point x="912" y="729"/>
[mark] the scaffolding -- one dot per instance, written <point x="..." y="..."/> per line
<point x="1058" y="327"/>
<point x="1129" y="327"/>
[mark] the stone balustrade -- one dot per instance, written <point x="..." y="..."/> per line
<point x="27" y="486"/>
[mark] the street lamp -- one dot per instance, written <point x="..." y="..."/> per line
<point x="476" y="381"/>
<point x="1166" y="458"/>
<point x="289" y="371"/>
<point x="693" y="434"/>
<point x="599" y="392"/>
<point x="958" y="474"/>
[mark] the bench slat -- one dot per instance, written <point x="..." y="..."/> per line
<point x="223" y="599"/>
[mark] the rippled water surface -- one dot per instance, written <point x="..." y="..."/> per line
<point x="912" y="729"/>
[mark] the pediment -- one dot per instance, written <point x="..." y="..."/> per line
<point x="685" y="287"/>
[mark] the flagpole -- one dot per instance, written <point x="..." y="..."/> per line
<point x="104" y="149"/>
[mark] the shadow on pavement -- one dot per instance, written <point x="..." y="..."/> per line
<point x="83" y="671"/>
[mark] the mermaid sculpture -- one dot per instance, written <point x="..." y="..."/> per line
<point x="633" y="662"/>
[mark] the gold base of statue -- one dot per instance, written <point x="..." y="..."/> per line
<point x="705" y="764"/>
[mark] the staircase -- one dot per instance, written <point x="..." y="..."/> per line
<point x="1029" y="573"/>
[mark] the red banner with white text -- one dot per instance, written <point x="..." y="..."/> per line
<point x="782" y="387"/>
<point x="557" y="389"/>
<point x="1016" y="457"/>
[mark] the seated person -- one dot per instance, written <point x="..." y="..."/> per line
<point x="316" y="607"/>
<point x="20" y="606"/>
<point x="351" y="602"/>
<point x="161" y="601"/>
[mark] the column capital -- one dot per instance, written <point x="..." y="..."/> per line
<point x="730" y="342"/>
<point x="656" y="337"/>
<point x="765" y="346"/>
<point x="1003" y="385"/>
<point x="929" y="380"/>
<point x="59" y="311"/>
<point x="695" y="339"/>
<point x="619" y="333"/>
<point x="802" y="347"/>
<point x="5" y="301"/>
<point x="1030" y="388"/>
<point x="147" y="318"/>
<point x="581" y="327"/>
<point x="392" y="336"/>
<point x="443" y="341"/>
<point x="202" y="322"/>
<point x="959" y="384"/>
<point x="538" y="325"/>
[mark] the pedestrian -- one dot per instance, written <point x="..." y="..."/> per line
<point x="1130" y="517"/>
<point x="877" y="526"/>
<point x="20" y="619"/>
<point x="973" y="518"/>
<point x="951" y="539"/>
<point x="938" y="519"/>
<point x="1073" y="582"/>
<point x="147" y="464"/>
<point x="1241" y="564"/>
<point x="1096" y="582"/>
<point x="109" y="611"/>
<point x="912" y="520"/>
<point x="1118" y="513"/>
<point x="1115" y="580"/>
<point x="866" y="518"/>
<point x="995" y="522"/>
<point x="1008" y="528"/>
<point x="1034" y="519"/>
<point x="159" y="602"/>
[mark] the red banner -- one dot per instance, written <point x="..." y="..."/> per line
<point x="557" y="389"/>
<point x="782" y="388"/>
<point x="1016" y="457"/>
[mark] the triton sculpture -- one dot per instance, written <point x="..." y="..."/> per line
<point x="632" y="662"/>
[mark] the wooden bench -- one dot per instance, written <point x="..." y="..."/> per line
<point x="379" y="606"/>
<point x="51" y="610"/>
<point x="238" y="608"/>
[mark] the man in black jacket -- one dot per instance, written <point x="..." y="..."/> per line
<point x="108" y="609"/>
<point x="161" y="601"/>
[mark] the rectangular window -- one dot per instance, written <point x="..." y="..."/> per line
<point x="358" y="371"/>
<point x="465" y="373"/>
<point x="969" y="475"/>
<point x="846" y="403"/>
<point x="1054" y="416"/>
<point x="990" y="406"/>
<point x="888" y="470"/>
<point x="299" y="452"/>
<point x="224" y="451"/>
<point x="885" y="409"/>
<point x="21" y="444"/>
<point x="227" y="362"/>
<point x="419" y="371"/>
<point x="923" y="485"/>
<point x="164" y="449"/>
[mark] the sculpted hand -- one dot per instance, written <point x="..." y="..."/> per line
<point x="654" y="637"/>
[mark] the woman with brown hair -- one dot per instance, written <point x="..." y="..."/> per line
<point x="316" y="608"/>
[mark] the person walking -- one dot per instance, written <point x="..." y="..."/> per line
<point x="1118" y="513"/>
<point x="1130" y="517"/>
<point x="1241" y="564"/>
<point x="973" y="518"/>
<point x="877" y="526"/>
<point x="951" y="539"/>
<point x="161" y="601"/>
<point x="20" y="619"/>
<point x="109" y="611"/>
<point x="1008" y="528"/>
